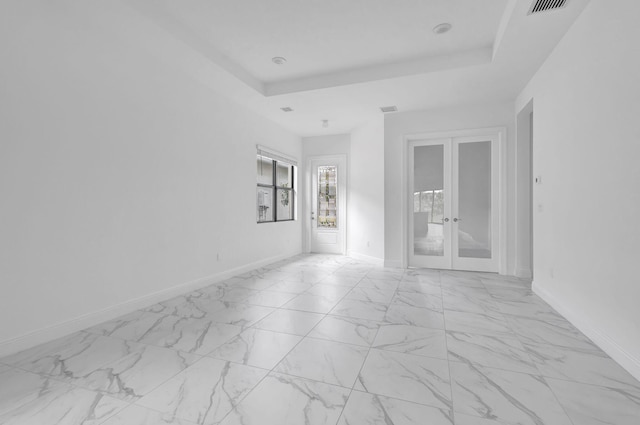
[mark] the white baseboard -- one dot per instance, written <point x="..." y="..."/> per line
<point x="85" y="321"/>
<point x="366" y="258"/>
<point x="625" y="359"/>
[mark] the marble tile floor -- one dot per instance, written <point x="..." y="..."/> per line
<point x="327" y="340"/>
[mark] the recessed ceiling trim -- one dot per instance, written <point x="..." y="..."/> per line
<point x="190" y="40"/>
<point x="380" y="72"/>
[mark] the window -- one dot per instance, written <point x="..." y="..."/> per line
<point x="431" y="202"/>
<point x="275" y="193"/>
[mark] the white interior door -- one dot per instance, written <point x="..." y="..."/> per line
<point x="328" y="205"/>
<point x="454" y="203"/>
<point x="430" y="203"/>
<point x="475" y="204"/>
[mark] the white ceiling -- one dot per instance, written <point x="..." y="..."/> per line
<point x="346" y="58"/>
<point x="321" y="37"/>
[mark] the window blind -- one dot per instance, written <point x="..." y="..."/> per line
<point x="278" y="156"/>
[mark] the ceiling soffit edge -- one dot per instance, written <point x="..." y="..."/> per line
<point x="380" y="72"/>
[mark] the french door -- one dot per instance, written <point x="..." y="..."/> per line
<point x="454" y="203"/>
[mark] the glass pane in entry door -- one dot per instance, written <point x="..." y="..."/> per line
<point x="428" y="200"/>
<point x="474" y="200"/>
<point x="327" y="197"/>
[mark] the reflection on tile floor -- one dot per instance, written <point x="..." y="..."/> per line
<point x="326" y="340"/>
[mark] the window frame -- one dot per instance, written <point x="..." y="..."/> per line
<point x="274" y="186"/>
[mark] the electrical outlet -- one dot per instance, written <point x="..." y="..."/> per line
<point x="368" y="244"/>
<point x="218" y="256"/>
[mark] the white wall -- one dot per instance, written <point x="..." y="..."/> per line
<point x="119" y="176"/>
<point x="366" y="194"/>
<point x="337" y="144"/>
<point x="586" y="101"/>
<point x="398" y="125"/>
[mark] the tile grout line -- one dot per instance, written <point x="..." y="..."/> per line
<point x="446" y="346"/>
<point x="269" y="372"/>
<point x="366" y="357"/>
<point x="272" y="370"/>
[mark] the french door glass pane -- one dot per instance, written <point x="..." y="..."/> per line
<point x="428" y="200"/>
<point x="474" y="200"/>
<point x="284" y="204"/>
<point x="264" y="209"/>
<point x="327" y="197"/>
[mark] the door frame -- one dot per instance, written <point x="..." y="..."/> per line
<point x="406" y="204"/>
<point x="342" y="197"/>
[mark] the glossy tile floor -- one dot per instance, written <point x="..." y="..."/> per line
<point x="324" y="340"/>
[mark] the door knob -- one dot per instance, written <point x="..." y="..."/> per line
<point x="446" y="220"/>
<point x="455" y="220"/>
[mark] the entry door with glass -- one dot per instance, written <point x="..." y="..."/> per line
<point x="454" y="203"/>
<point x="328" y="219"/>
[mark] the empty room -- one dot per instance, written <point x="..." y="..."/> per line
<point x="304" y="212"/>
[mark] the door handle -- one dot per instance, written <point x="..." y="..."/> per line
<point x="455" y="220"/>
<point x="446" y="220"/>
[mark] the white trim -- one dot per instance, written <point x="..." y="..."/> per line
<point x="404" y="207"/>
<point x="487" y="131"/>
<point x="524" y="273"/>
<point x="503" y="220"/>
<point x="274" y="154"/>
<point x="523" y="229"/>
<point x="85" y="321"/>
<point x="625" y="359"/>
<point x="366" y="258"/>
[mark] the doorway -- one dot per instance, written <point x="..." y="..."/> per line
<point x="454" y="202"/>
<point x="328" y="220"/>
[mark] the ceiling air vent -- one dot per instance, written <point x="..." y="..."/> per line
<point x="544" y="5"/>
<point x="287" y="109"/>
<point x="386" y="109"/>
